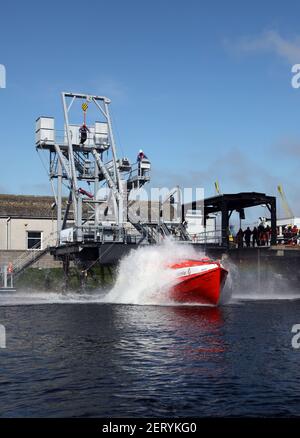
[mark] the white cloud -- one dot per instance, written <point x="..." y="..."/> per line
<point x="269" y="41"/>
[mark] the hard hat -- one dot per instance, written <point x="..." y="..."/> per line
<point x="140" y="151"/>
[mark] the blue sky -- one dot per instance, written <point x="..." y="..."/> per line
<point x="203" y="87"/>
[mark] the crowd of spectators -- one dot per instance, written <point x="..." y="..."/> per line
<point x="261" y="236"/>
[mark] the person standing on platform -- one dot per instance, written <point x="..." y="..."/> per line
<point x="240" y="238"/>
<point x="247" y="235"/>
<point x="261" y="232"/>
<point x="267" y="234"/>
<point x="83" y="131"/>
<point x="255" y="237"/>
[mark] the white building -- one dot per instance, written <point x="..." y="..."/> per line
<point x="29" y="222"/>
<point x="26" y="222"/>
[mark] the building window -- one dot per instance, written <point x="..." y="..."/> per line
<point x="34" y="239"/>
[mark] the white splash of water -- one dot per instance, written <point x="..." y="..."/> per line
<point x="143" y="277"/>
<point x="36" y="297"/>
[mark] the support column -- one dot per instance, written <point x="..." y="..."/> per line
<point x="66" y="269"/>
<point x="83" y="280"/>
<point x="96" y="188"/>
<point x="69" y="203"/>
<point x="273" y="222"/>
<point x="79" y="219"/>
<point x="5" y="276"/>
<point x="59" y="195"/>
<point x="225" y="225"/>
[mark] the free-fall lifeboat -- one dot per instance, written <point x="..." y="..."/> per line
<point x="198" y="281"/>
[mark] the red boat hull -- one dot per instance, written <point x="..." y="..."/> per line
<point x="200" y="288"/>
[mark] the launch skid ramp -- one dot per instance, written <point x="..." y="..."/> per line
<point x="92" y="185"/>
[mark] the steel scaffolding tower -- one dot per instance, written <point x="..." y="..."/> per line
<point x="79" y="163"/>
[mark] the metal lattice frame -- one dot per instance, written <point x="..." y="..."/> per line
<point x="63" y="167"/>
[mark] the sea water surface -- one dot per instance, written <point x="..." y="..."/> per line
<point x="131" y="352"/>
<point x="106" y="360"/>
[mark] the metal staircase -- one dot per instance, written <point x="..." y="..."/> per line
<point x="183" y="233"/>
<point x="28" y="258"/>
<point x="164" y="229"/>
<point x="146" y="231"/>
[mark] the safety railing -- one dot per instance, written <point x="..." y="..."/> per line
<point x="207" y="237"/>
<point x="151" y="232"/>
<point x="61" y="138"/>
<point x="28" y="257"/>
<point x="288" y="240"/>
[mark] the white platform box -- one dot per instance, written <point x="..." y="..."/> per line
<point x="44" y="130"/>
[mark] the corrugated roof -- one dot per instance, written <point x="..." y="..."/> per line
<point x="39" y="207"/>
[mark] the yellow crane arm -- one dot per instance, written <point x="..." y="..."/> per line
<point x="285" y="203"/>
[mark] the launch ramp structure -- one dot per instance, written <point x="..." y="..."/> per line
<point x="94" y="210"/>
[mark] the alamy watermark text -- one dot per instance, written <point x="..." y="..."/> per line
<point x="2" y="76"/>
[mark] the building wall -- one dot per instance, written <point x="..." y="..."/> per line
<point x="47" y="261"/>
<point x="195" y="223"/>
<point x="13" y="233"/>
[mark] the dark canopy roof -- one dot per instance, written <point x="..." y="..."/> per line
<point x="233" y="201"/>
<point x="236" y="201"/>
